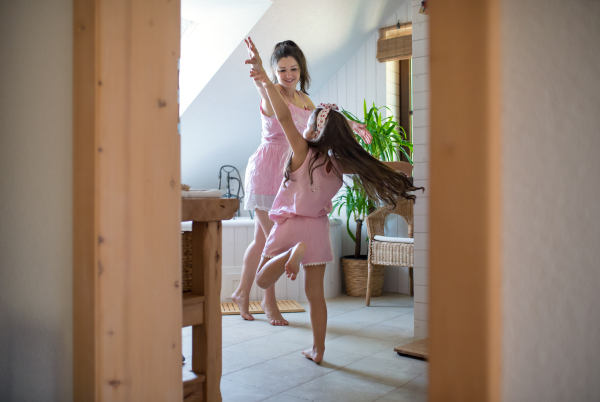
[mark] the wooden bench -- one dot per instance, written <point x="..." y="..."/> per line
<point x="202" y="306"/>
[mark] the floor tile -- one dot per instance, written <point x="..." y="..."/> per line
<point x="274" y="376"/>
<point x="405" y="322"/>
<point x="285" y="398"/>
<point x="236" y="392"/>
<point x="358" y="345"/>
<point x="390" y="372"/>
<point x="418" y="384"/>
<point x="230" y="320"/>
<point x="234" y="361"/>
<point x="332" y="360"/>
<point x="300" y="335"/>
<point x="259" y="347"/>
<point x="334" y="387"/>
<point x="385" y="333"/>
<point x="297" y="319"/>
<point x="403" y="395"/>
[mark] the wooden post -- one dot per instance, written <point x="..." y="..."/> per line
<point x="206" y="281"/>
<point x="127" y="250"/>
<point x="466" y="216"/>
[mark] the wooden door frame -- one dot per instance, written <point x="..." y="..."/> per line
<point x="125" y="115"/>
<point x="127" y="201"/>
<point x="465" y="203"/>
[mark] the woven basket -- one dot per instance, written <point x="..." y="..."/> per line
<point x="355" y="277"/>
<point x="186" y="261"/>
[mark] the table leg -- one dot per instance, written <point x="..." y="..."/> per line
<point x="206" y="281"/>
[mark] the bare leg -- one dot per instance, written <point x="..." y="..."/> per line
<point x="263" y="227"/>
<point x="269" y="301"/>
<point x="271" y="269"/>
<point x="313" y="286"/>
<point x="251" y="260"/>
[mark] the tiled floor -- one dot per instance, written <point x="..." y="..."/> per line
<point x="264" y="363"/>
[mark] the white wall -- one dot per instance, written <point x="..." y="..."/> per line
<point x="551" y="126"/>
<point x="35" y="206"/>
<point x="420" y="79"/>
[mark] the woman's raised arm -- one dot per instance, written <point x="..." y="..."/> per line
<point x="256" y="62"/>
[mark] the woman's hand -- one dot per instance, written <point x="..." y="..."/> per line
<point x="254" y="58"/>
<point x="261" y="76"/>
<point x="361" y="130"/>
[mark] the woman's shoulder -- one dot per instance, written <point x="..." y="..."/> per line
<point x="309" y="103"/>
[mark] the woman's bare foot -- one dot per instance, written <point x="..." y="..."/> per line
<point x="313" y="354"/>
<point x="292" y="266"/>
<point x="243" y="302"/>
<point x="273" y="314"/>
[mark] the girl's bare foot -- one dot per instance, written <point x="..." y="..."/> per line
<point x="313" y="354"/>
<point x="243" y="302"/>
<point x="273" y="314"/>
<point x="292" y="266"/>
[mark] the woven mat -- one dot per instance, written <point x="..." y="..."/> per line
<point x="285" y="306"/>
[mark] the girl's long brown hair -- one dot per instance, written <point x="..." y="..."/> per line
<point x="288" y="48"/>
<point x="337" y="142"/>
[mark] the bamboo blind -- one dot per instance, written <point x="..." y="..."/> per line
<point x="395" y="43"/>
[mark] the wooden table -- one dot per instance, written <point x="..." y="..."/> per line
<point x="202" y="306"/>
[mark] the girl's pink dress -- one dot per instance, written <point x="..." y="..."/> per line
<point x="265" y="167"/>
<point x="300" y="213"/>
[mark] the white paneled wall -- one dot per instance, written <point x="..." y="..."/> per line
<point x="239" y="233"/>
<point x="420" y="71"/>
<point x="363" y="77"/>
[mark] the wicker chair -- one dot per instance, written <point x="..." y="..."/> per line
<point x="389" y="253"/>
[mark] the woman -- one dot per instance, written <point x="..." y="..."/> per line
<point x="265" y="167"/>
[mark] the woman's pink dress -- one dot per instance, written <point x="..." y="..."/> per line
<point x="300" y="212"/>
<point x="265" y="167"/>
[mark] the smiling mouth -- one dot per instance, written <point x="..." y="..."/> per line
<point x="290" y="80"/>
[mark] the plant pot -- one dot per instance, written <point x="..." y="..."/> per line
<point x="356" y="275"/>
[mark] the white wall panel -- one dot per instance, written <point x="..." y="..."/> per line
<point x="361" y="80"/>
<point x="351" y="101"/>
<point x="371" y="70"/>
<point x="341" y="87"/>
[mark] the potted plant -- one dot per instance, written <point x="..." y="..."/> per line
<point x="389" y="138"/>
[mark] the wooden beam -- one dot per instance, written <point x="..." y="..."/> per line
<point x="465" y="215"/>
<point x="208" y="209"/>
<point x="206" y="281"/>
<point x="85" y="238"/>
<point x="127" y="250"/>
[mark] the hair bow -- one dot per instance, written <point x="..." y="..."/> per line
<point x="322" y="116"/>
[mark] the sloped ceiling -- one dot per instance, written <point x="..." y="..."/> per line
<point x="201" y="55"/>
<point x="222" y="125"/>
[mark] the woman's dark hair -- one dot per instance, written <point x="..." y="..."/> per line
<point x="288" y="48"/>
<point x="337" y="142"/>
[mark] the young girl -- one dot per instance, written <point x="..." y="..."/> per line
<point x="326" y="150"/>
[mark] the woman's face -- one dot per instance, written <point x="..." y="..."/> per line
<point x="288" y="72"/>
<point x="309" y="133"/>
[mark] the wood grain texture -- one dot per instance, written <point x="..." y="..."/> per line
<point x="208" y="209"/>
<point x="466" y="215"/>
<point x="127" y="295"/>
<point x="206" y="281"/>
<point x="193" y="309"/>
<point x="85" y="361"/>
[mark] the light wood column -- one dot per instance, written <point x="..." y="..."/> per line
<point x="465" y="215"/>
<point x="127" y="250"/>
<point x="206" y="337"/>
